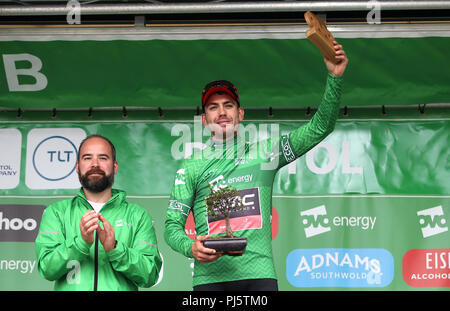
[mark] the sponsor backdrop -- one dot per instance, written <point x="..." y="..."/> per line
<point x="368" y="208"/>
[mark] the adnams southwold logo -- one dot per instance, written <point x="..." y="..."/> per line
<point x="340" y="267"/>
<point x="51" y="158"/>
<point x="432" y="221"/>
<point x="316" y="221"/>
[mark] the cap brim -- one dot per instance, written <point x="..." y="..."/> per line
<point x="217" y="89"/>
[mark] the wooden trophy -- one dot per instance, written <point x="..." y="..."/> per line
<point x="319" y="35"/>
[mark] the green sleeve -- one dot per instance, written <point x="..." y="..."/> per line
<point x="142" y="262"/>
<point x="180" y="204"/>
<point x="301" y="140"/>
<point x="53" y="250"/>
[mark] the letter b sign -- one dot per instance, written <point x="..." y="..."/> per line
<point x="33" y="70"/>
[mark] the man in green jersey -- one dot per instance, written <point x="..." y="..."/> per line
<point x="72" y="247"/>
<point x="228" y="160"/>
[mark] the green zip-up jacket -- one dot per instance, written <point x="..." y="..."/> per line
<point x="64" y="257"/>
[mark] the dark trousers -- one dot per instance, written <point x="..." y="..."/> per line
<point x="241" y="285"/>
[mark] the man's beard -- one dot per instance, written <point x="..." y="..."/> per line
<point x="96" y="185"/>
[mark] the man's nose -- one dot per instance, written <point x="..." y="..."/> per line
<point x="221" y="110"/>
<point x="94" y="162"/>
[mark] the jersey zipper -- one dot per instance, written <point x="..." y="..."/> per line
<point x="96" y="263"/>
<point x="114" y="198"/>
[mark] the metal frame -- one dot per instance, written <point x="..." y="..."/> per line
<point x="224" y="7"/>
<point x="219" y="32"/>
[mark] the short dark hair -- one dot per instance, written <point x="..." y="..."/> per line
<point x="113" y="149"/>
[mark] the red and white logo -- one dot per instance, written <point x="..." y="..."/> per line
<point x="190" y="225"/>
<point x="248" y="218"/>
<point x="427" y="267"/>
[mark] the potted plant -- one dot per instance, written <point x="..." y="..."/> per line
<point x="219" y="205"/>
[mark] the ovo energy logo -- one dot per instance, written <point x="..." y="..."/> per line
<point x="432" y="221"/>
<point x="51" y="158"/>
<point x="316" y="221"/>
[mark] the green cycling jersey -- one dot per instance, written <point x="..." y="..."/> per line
<point x="250" y="167"/>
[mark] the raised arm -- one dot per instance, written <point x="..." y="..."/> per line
<point x="301" y="140"/>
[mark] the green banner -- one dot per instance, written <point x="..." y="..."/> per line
<point x="380" y="157"/>
<point x="172" y="73"/>
<point x="367" y="209"/>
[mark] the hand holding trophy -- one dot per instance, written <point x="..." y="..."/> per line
<point x="333" y="54"/>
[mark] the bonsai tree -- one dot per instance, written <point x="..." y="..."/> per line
<point x="221" y="203"/>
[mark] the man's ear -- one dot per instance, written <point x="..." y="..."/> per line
<point x="116" y="166"/>
<point x="241" y="114"/>
<point x="204" y="119"/>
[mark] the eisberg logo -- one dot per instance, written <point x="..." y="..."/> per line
<point x="316" y="221"/>
<point x="339" y="267"/>
<point x="20" y="223"/>
<point x="432" y="221"/>
<point x="427" y="267"/>
<point x="51" y="158"/>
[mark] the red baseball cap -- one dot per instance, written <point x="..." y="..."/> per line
<point x="219" y="86"/>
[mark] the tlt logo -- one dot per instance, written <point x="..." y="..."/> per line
<point x="432" y="221"/>
<point x="315" y="221"/>
<point x="51" y="157"/>
<point x="60" y="155"/>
